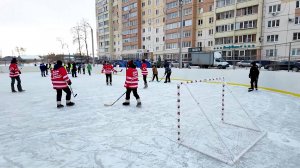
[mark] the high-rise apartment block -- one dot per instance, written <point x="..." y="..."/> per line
<point x="239" y="29"/>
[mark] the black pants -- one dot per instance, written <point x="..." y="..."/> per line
<point x="168" y="79"/>
<point x="134" y="90"/>
<point x="74" y="73"/>
<point x="89" y="71"/>
<point x="13" y="79"/>
<point x="253" y="82"/>
<point x="59" y="93"/>
<point x="83" y="70"/>
<point x="155" y="76"/>
<point x="47" y="72"/>
<point x="79" y="70"/>
<point x="145" y="78"/>
<point x="108" y="78"/>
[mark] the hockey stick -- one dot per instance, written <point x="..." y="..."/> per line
<point x="162" y="78"/>
<point x="74" y="95"/>
<point x="115" y="101"/>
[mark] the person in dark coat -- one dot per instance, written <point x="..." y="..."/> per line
<point x="74" y="70"/>
<point x="168" y="72"/>
<point x="43" y="69"/>
<point x="253" y="75"/>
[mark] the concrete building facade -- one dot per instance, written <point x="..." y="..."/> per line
<point x="239" y="29"/>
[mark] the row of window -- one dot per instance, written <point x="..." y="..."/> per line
<point x="273" y="52"/>
<point x="177" y="24"/>
<point x="129" y="7"/>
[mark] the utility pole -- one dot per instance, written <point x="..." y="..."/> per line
<point x="289" y="65"/>
<point x="180" y="34"/>
<point x="92" y="33"/>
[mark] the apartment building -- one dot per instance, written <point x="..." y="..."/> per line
<point x="103" y="13"/>
<point x="281" y="30"/>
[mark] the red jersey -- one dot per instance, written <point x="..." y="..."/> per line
<point x="14" y="70"/>
<point x="60" y="78"/>
<point x="108" y="69"/>
<point x="131" y="78"/>
<point x="144" y="69"/>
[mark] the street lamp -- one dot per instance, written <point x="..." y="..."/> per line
<point x="92" y="34"/>
<point x="180" y="34"/>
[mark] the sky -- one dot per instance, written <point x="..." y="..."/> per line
<point x="36" y="25"/>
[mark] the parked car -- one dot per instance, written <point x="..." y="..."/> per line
<point x="283" y="65"/>
<point x="247" y="63"/>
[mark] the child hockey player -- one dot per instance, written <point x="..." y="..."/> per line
<point x="14" y="74"/>
<point x="108" y="69"/>
<point x="131" y="84"/>
<point x="168" y="72"/>
<point x="155" y="73"/>
<point x="144" y="72"/>
<point x="60" y="81"/>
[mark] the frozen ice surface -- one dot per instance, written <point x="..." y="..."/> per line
<point x="35" y="134"/>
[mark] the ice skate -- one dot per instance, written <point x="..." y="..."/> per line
<point x="126" y="103"/>
<point x="139" y="103"/>
<point x="69" y="103"/>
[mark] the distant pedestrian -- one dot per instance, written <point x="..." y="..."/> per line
<point x="60" y="81"/>
<point x="14" y="74"/>
<point x="89" y="68"/>
<point x="74" y="70"/>
<point x="83" y="68"/>
<point x="253" y="75"/>
<point x="79" y="68"/>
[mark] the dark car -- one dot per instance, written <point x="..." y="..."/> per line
<point x="283" y="65"/>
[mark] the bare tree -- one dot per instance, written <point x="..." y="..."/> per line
<point x="20" y="50"/>
<point x="84" y="28"/>
<point x="61" y="43"/>
<point x="77" y="37"/>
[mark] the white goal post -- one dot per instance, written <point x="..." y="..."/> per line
<point x="233" y="158"/>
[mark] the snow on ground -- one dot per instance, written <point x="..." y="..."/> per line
<point x="34" y="133"/>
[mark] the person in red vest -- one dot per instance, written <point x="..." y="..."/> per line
<point x="131" y="84"/>
<point x="14" y="74"/>
<point x="144" y="72"/>
<point x="60" y="81"/>
<point x="108" y="69"/>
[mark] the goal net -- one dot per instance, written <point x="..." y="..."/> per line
<point x="211" y="120"/>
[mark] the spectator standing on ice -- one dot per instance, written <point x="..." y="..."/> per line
<point x="74" y="70"/>
<point x="83" y="68"/>
<point x="47" y="69"/>
<point x="144" y="73"/>
<point x="253" y="75"/>
<point x="14" y="74"/>
<point x="79" y="68"/>
<point x="43" y="69"/>
<point x="108" y="69"/>
<point x="131" y="84"/>
<point x="89" y="68"/>
<point x="155" y="73"/>
<point x="168" y="72"/>
<point x="60" y="81"/>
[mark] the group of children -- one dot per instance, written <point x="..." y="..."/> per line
<point x="61" y="81"/>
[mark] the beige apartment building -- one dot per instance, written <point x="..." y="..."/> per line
<point x="150" y="29"/>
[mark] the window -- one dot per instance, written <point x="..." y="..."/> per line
<point x="200" y="33"/>
<point x="157" y="30"/>
<point x="245" y="38"/>
<point x="297" y="20"/>
<point x="247" y="11"/>
<point x="297" y="4"/>
<point x="157" y="2"/>
<point x="296" y="52"/>
<point x="225" y="15"/>
<point x="211" y="20"/>
<point x="200" y="22"/>
<point x="200" y="10"/>
<point x="271" y="53"/>
<point x="274" y="8"/>
<point x="211" y="31"/>
<point x="149" y="2"/>
<point x="210" y="43"/>
<point x="186" y="44"/>
<point x="296" y="36"/>
<point x="171" y="45"/>
<point x="210" y="8"/>
<point x="157" y="39"/>
<point x="273" y="23"/>
<point x="186" y="34"/>
<point x="171" y="5"/>
<point x="157" y="12"/>
<point x="187" y="23"/>
<point x="222" y="3"/>
<point x="272" y="38"/>
<point x="199" y="44"/>
<point x="187" y="11"/>
<point x="246" y="25"/>
<point x="225" y="28"/>
<point x="172" y="36"/>
<point x="172" y="15"/>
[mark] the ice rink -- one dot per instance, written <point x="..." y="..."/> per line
<point x="35" y="134"/>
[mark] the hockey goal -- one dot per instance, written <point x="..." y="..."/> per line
<point x="206" y="126"/>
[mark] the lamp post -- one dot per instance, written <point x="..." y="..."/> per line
<point x="180" y="34"/>
<point x="92" y="34"/>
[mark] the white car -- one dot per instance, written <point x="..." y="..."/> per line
<point x="246" y="64"/>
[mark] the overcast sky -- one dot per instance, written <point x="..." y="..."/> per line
<point x="36" y="24"/>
